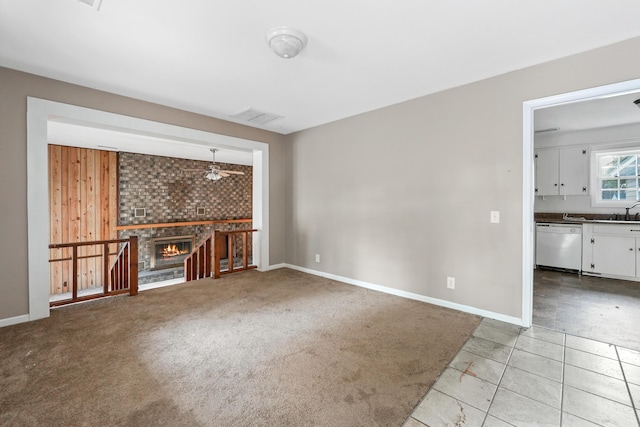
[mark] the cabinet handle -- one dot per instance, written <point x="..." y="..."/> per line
<point x="555" y="185"/>
<point x="562" y="185"/>
<point x="630" y="249"/>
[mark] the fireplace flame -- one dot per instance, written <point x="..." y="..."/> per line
<point x="172" y="250"/>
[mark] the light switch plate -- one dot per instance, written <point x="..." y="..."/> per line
<point x="495" y="217"/>
<point x="451" y="282"/>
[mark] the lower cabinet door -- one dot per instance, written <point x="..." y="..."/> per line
<point x="614" y="255"/>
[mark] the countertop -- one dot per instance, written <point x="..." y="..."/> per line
<point x="557" y="218"/>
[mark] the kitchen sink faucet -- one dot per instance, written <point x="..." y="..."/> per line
<point x="626" y="215"/>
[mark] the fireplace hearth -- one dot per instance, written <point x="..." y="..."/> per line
<point x="169" y="252"/>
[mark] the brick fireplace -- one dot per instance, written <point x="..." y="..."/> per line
<point x="157" y="190"/>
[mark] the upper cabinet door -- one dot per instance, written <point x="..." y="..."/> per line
<point x="574" y="171"/>
<point x="547" y="172"/>
<point x="562" y="171"/>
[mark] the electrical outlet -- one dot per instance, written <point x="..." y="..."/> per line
<point x="495" y="217"/>
<point x="317" y="257"/>
<point x="451" y="282"/>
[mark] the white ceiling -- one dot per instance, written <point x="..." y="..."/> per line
<point x="591" y="114"/>
<point x="210" y="57"/>
<point x="62" y="132"/>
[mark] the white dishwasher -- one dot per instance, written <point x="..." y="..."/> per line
<point x="559" y="245"/>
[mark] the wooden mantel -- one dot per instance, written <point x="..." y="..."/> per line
<point x="181" y="224"/>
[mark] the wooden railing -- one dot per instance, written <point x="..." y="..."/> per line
<point x="205" y="260"/>
<point x="121" y="277"/>
<point x="225" y="240"/>
<point x="198" y="264"/>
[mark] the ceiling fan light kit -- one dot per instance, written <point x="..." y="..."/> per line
<point x="286" y="42"/>
<point x="215" y="173"/>
<point x="212" y="176"/>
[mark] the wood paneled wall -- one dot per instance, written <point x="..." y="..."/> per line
<point x="83" y="206"/>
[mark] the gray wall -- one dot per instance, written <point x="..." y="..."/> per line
<point x="15" y="86"/>
<point x="400" y="197"/>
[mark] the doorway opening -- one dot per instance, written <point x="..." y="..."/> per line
<point x="531" y="113"/>
<point x="40" y="113"/>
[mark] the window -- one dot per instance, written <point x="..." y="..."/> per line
<point x="617" y="177"/>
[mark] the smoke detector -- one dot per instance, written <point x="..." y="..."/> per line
<point x="286" y="42"/>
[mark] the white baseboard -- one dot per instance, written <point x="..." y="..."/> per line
<point x="410" y="295"/>
<point x="14" y="320"/>
<point x="397" y="292"/>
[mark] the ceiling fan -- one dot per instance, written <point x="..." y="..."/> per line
<point x="215" y="173"/>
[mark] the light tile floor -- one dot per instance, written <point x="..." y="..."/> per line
<point x="506" y="376"/>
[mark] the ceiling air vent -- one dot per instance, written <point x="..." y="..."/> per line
<point x="94" y="4"/>
<point x="256" y="117"/>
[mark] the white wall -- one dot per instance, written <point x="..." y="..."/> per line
<point x="400" y="197"/>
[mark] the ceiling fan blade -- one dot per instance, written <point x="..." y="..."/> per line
<point x="223" y="174"/>
<point x="232" y="172"/>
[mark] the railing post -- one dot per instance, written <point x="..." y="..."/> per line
<point x="105" y="268"/>
<point x="207" y="256"/>
<point x="245" y="252"/>
<point x="201" y="261"/>
<point x="124" y="282"/>
<point x="218" y="243"/>
<point x="230" y="252"/>
<point x="113" y="274"/>
<point x="133" y="265"/>
<point x="74" y="269"/>
<point x="187" y="268"/>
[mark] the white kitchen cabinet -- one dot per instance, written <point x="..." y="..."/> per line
<point x="615" y="255"/>
<point x="562" y="171"/>
<point x="547" y="177"/>
<point x="611" y="250"/>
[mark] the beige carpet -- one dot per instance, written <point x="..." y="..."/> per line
<point x="281" y="348"/>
